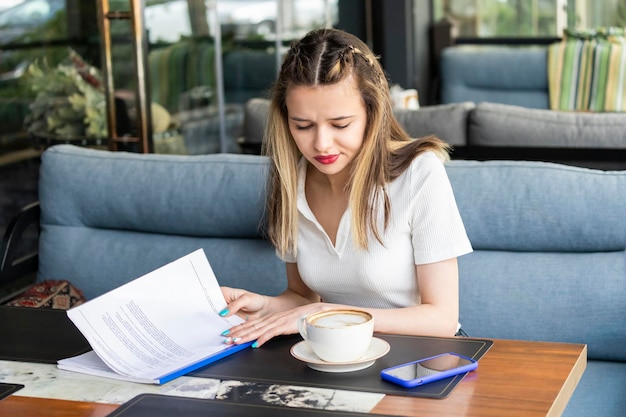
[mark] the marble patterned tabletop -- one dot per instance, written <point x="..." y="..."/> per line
<point x="47" y="381"/>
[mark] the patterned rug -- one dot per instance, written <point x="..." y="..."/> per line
<point x="60" y="295"/>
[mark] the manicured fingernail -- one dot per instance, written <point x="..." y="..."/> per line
<point x="225" y="332"/>
<point x="255" y="345"/>
<point x="224" y="312"/>
<point x="228" y="341"/>
<point x="236" y="339"/>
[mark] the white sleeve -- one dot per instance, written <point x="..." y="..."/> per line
<point x="437" y="230"/>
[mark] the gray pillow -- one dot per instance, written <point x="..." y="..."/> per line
<point x="447" y="121"/>
<point x="492" y="124"/>
<point x="255" y="115"/>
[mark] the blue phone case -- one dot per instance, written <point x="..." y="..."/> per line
<point x="423" y="371"/>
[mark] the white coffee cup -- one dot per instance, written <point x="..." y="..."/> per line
<point x="339" y="335"/>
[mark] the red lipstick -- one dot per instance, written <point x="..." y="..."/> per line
<point x="326" y="159"/>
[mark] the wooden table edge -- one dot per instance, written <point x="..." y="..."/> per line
<point x="562" y="399"/>
<point x="53" y="407"/>
<point x="15" y="404"/>
<point x="558" y="405"/>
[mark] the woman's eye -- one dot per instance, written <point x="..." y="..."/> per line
<point x="307" y="127"/>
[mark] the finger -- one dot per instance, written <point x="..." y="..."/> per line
<point x="261" y="331"/>
<point x="245" y="332"/>
<point x="231" y="294"/>
<point x="265" y="337"/>
<point x="243" y="329"/>
<point x="235" y="307"/>
<point x="249" y="302"/>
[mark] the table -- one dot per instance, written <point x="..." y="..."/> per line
<point x="515" y="378"/>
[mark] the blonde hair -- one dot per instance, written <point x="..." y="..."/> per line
<point x="326" y="57"/>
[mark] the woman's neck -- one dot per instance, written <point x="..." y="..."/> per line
<point x="334" y="184"/>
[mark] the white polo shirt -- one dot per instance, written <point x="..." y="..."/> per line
<point x="425" y="227"/>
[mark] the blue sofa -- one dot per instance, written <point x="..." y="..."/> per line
<point x="514" y="75"/>
<point x="549" y="261"/>
<point x="107" y="218"/>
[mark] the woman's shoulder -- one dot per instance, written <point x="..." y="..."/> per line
<point x="424" y="168"/>
<point x="429" y="156"/>
<point x="425" y="163"/>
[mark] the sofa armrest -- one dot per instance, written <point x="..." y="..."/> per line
<point x="18" y="262"/>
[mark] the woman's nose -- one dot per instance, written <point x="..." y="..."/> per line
<point x="323" y="139"/>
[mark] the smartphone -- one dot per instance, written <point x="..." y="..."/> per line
<point x="423" y="371"/>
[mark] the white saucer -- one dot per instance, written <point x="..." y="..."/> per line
<point x="378" y="348"/>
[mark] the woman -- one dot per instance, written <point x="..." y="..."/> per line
<point x="362" y="214"/>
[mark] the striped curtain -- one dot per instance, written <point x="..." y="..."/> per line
<point x="587" y="71"/>
<point x="178" y="68"/>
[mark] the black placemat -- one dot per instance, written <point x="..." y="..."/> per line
<point x="273" y="363"/>
<point x="154" y="405"/>
<point x="8" y="389"/>
<point x="38" y="335"/>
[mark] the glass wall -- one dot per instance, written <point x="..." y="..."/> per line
<point x="205" y="59"/>
<point x="529" y="18"/>
<point x="32" y="32"/>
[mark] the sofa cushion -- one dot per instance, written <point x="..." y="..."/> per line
<point x="447" y="121"/>
<point x="93" y="198"/>
<point x="109" y="217"/>
<point x="500" y="74"/>
<point x="526" y="206"/>
<point x="492" y="124"/>
<point x="600" y="391"/>
<point x="550" y="235"/>
<point x="557" y="297"/>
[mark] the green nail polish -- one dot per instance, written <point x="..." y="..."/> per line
<point x="224" y="312"/>
<point x="225" y="332"/>
<point x="255" y="345"/>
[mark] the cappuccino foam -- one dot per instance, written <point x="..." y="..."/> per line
<point x="339" y="320"/>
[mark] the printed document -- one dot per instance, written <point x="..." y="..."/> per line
<point x="156" y="327"/>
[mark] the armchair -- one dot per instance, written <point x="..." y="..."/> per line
<point x="18" y="265"/>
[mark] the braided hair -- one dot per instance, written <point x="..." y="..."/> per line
<point x="326" y="57"/>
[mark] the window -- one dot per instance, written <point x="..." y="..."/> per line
<point x="30" y="30"/>
<point x="182" y="56"/>
<point x="241" y="19"/>
<point x="528" y="18"/>
<point x="182" y="76"/>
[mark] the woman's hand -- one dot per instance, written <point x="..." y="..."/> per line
<point x="243" y="303"/>
<point x="263" y="328"/>
<point x="267" y="316"/>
